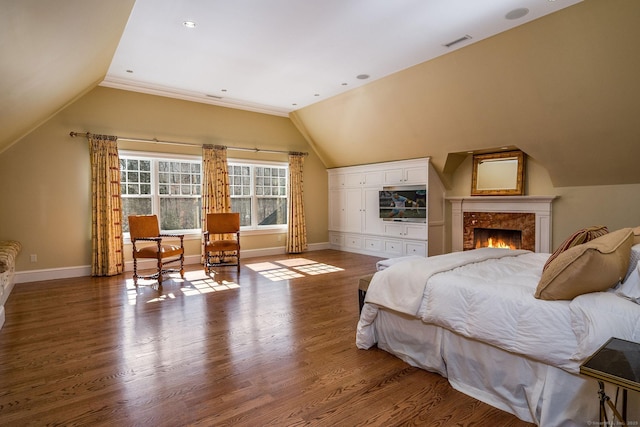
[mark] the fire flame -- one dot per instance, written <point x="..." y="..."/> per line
<point x="496" y="244"/>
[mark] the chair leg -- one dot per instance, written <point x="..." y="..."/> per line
<point x="159" y="271"/>
<point x="135" y="272"/>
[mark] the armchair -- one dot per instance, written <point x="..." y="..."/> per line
<point x="222" y="241"/>
<point x="145" y="228"/>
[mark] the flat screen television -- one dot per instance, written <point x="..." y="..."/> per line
<point x="403" y="203"/>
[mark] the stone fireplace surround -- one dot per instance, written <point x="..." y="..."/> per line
<point x="540" y="206"/>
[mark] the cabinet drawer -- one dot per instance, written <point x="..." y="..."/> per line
<point x="393" y="247"/>
<point x="336" y="239"/>
<point x="373" y="244"/>
<point x="353" y="242"/>
<point x="415" y="248"/>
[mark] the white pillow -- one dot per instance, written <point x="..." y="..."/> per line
<point x="598" y="316"/>
<point x="630" y="288"/>
<point x="633" y="260"/>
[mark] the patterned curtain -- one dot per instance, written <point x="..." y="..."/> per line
<point x="106" y="208"/>
<point x="215" y="183"/>
<point x="297" y="229"/>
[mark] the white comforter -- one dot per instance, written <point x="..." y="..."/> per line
<point x="485" y="294"/>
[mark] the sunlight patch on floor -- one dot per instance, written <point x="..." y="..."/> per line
<point x="301" y="267"/>
<point x="292" y="262"/>
<point x="281" y="274"/>
<point x="261" y="266"/>
<point x="318" y="268"/>
<point x="194" y="283"/>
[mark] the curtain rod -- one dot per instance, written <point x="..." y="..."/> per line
<point x="157" y="141"/>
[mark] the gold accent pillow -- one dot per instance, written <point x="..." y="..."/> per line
<point x="579" y="237"/>
<point x="636" y="235"/>
<point x="590" y="267"/>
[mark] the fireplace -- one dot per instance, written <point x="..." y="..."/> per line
<point x="531" y="215"/>
<point x="518" y="228"/>
<point x="497" y="238"/>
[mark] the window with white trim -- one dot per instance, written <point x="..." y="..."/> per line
<point x="171" y="187"/>
<point x="259" y="193"/>
<point x="167" y="187"/>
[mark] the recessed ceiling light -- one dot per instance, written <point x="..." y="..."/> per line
<point x="362" y="76"/>
<point x="189" y="24"/>
<point x="129" y="71"/>
<point x="517" y="13"/>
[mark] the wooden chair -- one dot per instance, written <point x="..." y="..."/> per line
<point x="222" y="241"/>
<point x="145" y="228"/>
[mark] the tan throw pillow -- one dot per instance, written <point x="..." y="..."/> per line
<point x="636" y="235"/>
<point x="591" y="267"/>
<point x="578" y="238"/>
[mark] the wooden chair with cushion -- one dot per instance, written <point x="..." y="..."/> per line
<point x="222" y="241"/>
<point x="145" y="228"/>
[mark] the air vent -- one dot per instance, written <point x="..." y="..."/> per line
<point x="460" y="40"/>
<point x="213" y="96"/>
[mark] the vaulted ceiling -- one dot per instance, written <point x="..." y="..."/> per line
<point x="557" y="79"/>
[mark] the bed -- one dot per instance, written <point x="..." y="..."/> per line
<point x="512" y="327"/>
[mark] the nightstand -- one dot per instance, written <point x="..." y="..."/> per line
<point x="616" y="362"/>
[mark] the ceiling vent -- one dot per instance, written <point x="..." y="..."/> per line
<point x="460" y="40"/>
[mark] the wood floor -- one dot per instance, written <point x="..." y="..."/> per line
<point x="232" y="350"/>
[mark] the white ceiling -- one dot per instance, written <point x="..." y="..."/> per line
<point x="276" y="56"/>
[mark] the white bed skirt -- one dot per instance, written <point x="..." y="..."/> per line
<point x="532" y="391"/>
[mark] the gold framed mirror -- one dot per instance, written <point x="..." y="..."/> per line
<point x="498" y="174"/>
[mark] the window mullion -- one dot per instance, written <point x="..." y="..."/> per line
<point x="155" y="200"/>
<point x="254" y="197"/>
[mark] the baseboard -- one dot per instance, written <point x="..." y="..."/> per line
<point x="85" y="270"/>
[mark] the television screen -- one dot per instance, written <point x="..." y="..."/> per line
<point x="403" y="203"/>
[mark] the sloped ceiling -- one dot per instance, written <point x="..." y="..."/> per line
<point x="52" y="52"/>
<point x="564" y="89"/>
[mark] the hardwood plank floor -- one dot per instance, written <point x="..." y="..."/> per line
<point x="232" y="350"/>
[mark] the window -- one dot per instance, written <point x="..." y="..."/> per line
<point x="172" y="188"/>
<point x="259" y="193"/>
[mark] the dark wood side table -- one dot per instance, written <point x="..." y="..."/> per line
<point x="616" y="362"/>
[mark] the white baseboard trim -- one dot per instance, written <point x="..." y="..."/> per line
<point x="85" y="270"/>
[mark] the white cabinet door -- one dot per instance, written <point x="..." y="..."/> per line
<point x="394" y="176"/>
<point x="372" y="222"/>
<point x="337" y="212"/>
<point x="372" y="178"/>
<point x="336" y="180"/>
<point x="395" y="229"/>
<point x="408" y="175"/>
<point x="416" y="175"/>
<point x="353" y="210"/>
<point x="415" y="231"/>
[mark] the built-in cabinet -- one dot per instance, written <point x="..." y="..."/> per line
<point x="354" y="215"/>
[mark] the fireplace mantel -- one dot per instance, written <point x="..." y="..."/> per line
<point x="539" y="205"/>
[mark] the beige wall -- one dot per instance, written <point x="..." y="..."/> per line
<point x="45" y="189"/>
<point x="44" y="178"/>
<point x="616" y="206"/>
